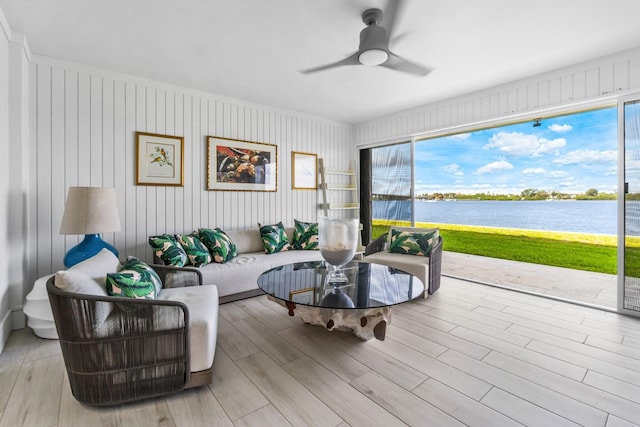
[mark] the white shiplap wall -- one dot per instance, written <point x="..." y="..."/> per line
<point x="5" y="309"/>
<point x="83" y="124"/>
<point x="593" y="82"/>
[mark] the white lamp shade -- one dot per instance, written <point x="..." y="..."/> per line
<point x="90" y="210"/>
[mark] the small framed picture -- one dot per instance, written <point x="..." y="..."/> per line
<point x="304" y="171"/>
<point x="302" y="296"/>
<point x="160" y="159"/>
<point x="236" y="165"/>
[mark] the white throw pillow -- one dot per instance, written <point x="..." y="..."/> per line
<point x="78" y="282"/>
<point x="89" y="277"/>
<point x="98" y="266"/>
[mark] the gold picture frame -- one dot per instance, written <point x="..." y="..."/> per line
<point x="237" y="165"/>
<point x="304" y="171"/>
<point x="159" y="159"/>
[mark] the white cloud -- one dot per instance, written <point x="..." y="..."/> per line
<point x="454" y="169"/>
<point x="560" y="128"/>
<point x="587" y="156"/>
<point x="557" y="174"/>
<point x="502" y="165"/>
<point x="534" y="171"/>
<point x="519" y="144"/>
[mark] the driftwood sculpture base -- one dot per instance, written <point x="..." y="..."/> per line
<point x="364" y="323"/>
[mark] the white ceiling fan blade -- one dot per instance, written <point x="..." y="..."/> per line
<point x="390" y="14"/>
<point x="400" y="64"/>
<point x="350" y="60"/>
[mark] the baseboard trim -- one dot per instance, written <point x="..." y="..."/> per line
<point x="5" y="329"/>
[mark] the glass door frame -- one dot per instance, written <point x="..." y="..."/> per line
<point x="622" y="190"/>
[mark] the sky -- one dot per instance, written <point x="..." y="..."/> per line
<point x="567" y="154"/>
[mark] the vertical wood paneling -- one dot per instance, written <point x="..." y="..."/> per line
<point x="621" y="75"/>
<point x="606" y="79"/>
<point x="121" y="155"/>
<point x="578" y="83"/>
<point x="84" y="130"/>
<point x="43" y="166"/>
<point x="83" y="133"/>
<point x="566" y="88"/>
<point x="592" y="83"/>
<point x="95" y="131"/>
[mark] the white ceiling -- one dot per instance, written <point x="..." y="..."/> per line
<point x="254" y="49"/>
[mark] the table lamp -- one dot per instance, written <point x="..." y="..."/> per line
<point x="89" y="211"/>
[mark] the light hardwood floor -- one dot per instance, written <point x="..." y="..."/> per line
<point x="468" y="355"/>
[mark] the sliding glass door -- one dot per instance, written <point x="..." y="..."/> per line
<point x="629" y="206"/>
<point x="391" y="194"/>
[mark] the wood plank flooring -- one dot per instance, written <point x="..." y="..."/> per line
<point x="469" y="355"/>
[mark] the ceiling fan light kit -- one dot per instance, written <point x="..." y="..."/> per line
<point x="373" y="57"/>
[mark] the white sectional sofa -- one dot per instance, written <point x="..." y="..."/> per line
<point x="237" y="278"/>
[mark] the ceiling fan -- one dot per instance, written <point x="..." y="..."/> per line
<point x="374" y="45"/>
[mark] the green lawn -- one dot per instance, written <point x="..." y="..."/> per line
<point x="570" y="250"/>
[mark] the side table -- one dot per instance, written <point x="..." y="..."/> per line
<point x="38" y="310"/>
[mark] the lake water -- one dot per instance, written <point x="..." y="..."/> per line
<point x="592" y="217"/>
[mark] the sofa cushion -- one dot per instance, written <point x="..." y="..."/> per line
<point x="197" y="252"/>
<point x="246" y="240"/>
<point x="220" y="245"/>
<point x="274" y="238"/>
<point x="416" y="265"/>
<point x="202" y="302"/>
<point x="241" y="273"/>
<point x="412" y="242"/>
<point x="134" y="280"/>
<point x="305" y="235"/>
<point x="168" y="250"/>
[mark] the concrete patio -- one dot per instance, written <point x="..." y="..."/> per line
<point x="576" y="285"/>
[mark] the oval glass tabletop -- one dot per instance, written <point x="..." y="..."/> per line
<point x="368" y="285"/>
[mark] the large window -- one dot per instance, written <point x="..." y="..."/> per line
<point x="536" y="163"/>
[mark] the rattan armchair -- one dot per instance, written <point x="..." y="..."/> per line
<point x="141" y="351"/>
<point x="431" y="275"/>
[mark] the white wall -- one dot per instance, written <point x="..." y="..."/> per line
<point x="83" y="124"/>
<point x="18" y="154"/>
<point x="5" y="307"/>
<point x="589" y="83"/>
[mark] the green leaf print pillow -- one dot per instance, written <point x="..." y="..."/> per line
<point x="412" y="243"/>
<point x="168" y="250"/>
<point x="305" y="235"/>
<point x="274" y="238"/>
<point x="219" y="244"/>
<point x="197" y="252"/>
<point x="134" y="280"/>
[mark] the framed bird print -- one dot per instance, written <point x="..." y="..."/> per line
<point x="159" y="159"/>
<point x="236" y="165"/>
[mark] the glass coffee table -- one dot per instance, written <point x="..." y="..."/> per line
<point x="361" y="305"/>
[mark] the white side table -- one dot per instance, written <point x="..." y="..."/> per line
<point x="38" y="310"/>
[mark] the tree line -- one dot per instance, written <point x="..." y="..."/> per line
<point x="527" y="194"/>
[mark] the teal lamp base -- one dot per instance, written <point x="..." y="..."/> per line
<point x="90" y="245"/>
